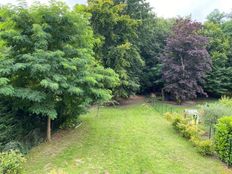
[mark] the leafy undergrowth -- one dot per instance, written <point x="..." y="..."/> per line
<point x="131" y="139"/>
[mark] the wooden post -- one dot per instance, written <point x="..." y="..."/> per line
<point x="49" y="129"/>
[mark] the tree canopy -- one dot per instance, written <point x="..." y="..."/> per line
<point x="50" y="62"/>
<point x="117" y="32"/>
<point x="185" y="61"/>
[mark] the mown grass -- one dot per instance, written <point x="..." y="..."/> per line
<point x="133" y="139"/>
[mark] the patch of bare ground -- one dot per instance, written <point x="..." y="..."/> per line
<point x="132" y="100"/>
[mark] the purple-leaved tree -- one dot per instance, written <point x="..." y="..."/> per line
<point x="185" y="61"/>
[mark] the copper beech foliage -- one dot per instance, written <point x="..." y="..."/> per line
<point x="185" y="61"/>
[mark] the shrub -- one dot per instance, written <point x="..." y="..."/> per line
<point x="15" y="146"/>
<point x="178" y="122"/>
<point x="171" y="116"/>
<point x="185" y="127"/>
<point x="205" y="147"/>
<point x="212" y="112"/>
<point x="11" y="162"/>
<point x="168" y="116"/>
<point x="189" y="131"/>
<point x="194" y="140"/>
<point x="70" y="123"/>
<point x="227" y="101"/>
<point x="222" y="137"/>
<point x="192" y="132"/>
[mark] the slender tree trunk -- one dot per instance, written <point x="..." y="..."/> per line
<point x="49" y="129"/>
<point x="162" y="92"/>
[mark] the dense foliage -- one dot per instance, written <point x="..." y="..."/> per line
<point x="116" y="32"/>
<point x="218" y="31"/>
<point x="152" y="33"/>
<point x="188" y="128"/>
<point x="212" y="112"/>
<point x="11" y="162"/>
<point x="185" y="61"/>
<point x="223" y="139"/>
<point x="49" y="69"/>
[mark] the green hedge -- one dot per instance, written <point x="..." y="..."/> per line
<point x="222" y="136"/>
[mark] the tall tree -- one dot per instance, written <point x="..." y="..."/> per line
<point x="218" y="82"/>
<point x="152" y="33"/>
<point x="116" y="32"/>
<point x="216" y="16"/>
<point x="227" y="29"/>
<point x="49" y="69"/>
<point x="186" y="61"/>
<point x="218" y="30"/>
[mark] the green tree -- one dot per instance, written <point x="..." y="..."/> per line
<point x="116" y="32"/>
<point x="219" y="80"/>
<point x="216" y="16"/>
<point x="49" y="69"/>
<point x="151" y="51"/>
<point x="227" y="29"/>
<point x="152" y="33"/>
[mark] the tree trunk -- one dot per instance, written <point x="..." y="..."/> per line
<point x="49" y="129"/>
<point x="162" y="93"/>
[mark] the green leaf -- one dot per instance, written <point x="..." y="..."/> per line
<point x="4" y="81"/>
<point x="47" y="83"/>
<point x="29" y="94"/>
<point x="44" y="109"/>
<point x="7" y="90"/>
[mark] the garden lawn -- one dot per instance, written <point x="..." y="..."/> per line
<point x="132" y="139"/>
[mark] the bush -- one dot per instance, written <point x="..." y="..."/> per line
<point x="185" y="126"/>
<point x="11" y="162"/>
<point x="171" y="116"/>
<point x="189" y="131"/>
<point x="15" y="146"/>
<point x="227" y="101"/>
<point x="194" y="140"/>
<point x="70" y="123"/>
<point x="212" y="112"/>
<point x="204" y="147"/>
<point x="222" y="137"/>
<point x="178" y="122"/>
